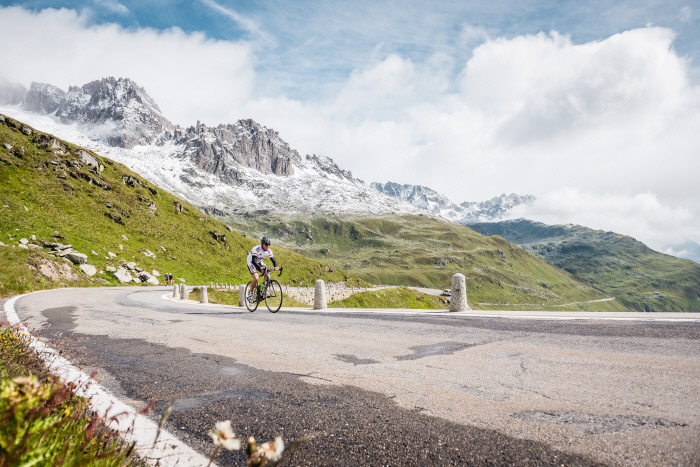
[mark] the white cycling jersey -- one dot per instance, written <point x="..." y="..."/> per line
<point x="257" y="254"/>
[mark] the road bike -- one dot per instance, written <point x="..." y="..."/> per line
<point x="270" y="292"/>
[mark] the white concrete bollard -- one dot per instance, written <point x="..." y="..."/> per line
<point x="458" y="301"/>
<point x="176" y="292"/>
<point x="320" y="295"/>
<point x="211" y="284"/>
<point x="184" y="294"/>
<point x="241" y="296"/>
<point x="203" y="297"/>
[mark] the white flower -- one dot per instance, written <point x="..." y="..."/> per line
<point x="273" y="449"/>
<point x="224" y="436"/>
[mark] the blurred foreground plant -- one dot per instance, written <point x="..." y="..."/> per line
<point x="42" y="422"/>
<point x="258" y="456"/>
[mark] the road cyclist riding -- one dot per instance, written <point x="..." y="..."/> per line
<point x="270" y="290"/>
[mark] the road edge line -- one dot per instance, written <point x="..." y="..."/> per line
<point x="131" y="425"/>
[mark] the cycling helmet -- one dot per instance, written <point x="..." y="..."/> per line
<point x="266" y="240"/>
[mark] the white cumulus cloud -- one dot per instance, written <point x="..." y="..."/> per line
<point x="640" y="215"/>
<point x="607" y="126"/>
<point x="188" y="75"/>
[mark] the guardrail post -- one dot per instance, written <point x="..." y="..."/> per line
<point x="320" y="295"/>
<point x="203" y="298"/>
<point x="176" y="292"/>
<point x="458" y="301"/>
<point x="183" y="292"/>
<point x="241" y="295"/>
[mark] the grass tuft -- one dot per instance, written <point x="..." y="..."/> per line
<point x="42" y="422"/>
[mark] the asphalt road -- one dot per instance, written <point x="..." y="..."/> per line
<point x="391" y="389"/>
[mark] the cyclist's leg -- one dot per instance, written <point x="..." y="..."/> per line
<point x="254" y="269"/>
<point x="254" y="281"/>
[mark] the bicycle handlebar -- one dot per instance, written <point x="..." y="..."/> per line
<point x="269" y="270"/>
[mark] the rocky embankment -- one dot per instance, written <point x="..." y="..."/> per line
<point x="57" y="271"/>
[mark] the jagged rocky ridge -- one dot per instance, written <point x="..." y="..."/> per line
<point x="228" y="169"/>
<point x="467" y="212"/>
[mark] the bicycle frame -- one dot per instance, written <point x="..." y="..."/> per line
<point x="262" y="292"/>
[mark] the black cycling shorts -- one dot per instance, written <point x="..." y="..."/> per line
<point x="256" y="267"/>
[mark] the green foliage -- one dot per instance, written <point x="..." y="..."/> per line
<point x="617" y="264"/>
<point x="401" y="297"/>
<point x="42" y="422"/>
<point x="49" y="194"/>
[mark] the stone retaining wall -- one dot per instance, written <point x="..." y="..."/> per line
<point x="306" y="294"/>
<point x="334" y="292"/>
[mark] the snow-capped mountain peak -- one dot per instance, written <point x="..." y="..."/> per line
<point x="419" y="196"/>
<point x="117" y="111"/>
<point x="230" y="168"/>
<point x="468" y="212"/>
<point x="43" y="98"/>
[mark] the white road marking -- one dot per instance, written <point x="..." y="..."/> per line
<point x="131" y="425"/>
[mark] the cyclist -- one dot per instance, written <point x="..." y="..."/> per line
<point x="256" y="265"/>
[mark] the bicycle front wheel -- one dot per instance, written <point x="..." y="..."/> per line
<point x="273" y="296"/>
<point x="252" y="306"/>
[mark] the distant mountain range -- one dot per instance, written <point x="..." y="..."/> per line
<point x="464" y="213"/>
<point x="245" y="170"/>
<point x="643" y="279"/>
<point x="225" y="170"/>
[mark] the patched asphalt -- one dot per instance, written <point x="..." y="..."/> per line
<point x="347" y="425"/>
<point x="522" y="382"/>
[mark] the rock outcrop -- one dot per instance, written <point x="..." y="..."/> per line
<point x="327" y="165"/>
<point x="77" y="258"/>
<point x="467" y="212"/>
<point x="123" y="275"/>
<point x="118" y="109"/>
<point x="88" y="269"/>
<point x="222" y="150"/>
<point x="132" y="272"/>
<point x="43" y="98"/>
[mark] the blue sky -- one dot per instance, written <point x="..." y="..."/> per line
<point x="306" y="49"/>
<point x="593" y="107"/>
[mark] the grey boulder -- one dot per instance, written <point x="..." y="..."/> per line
<point x="122" y="275"/>
<point x="77" y="258"/>
<point x="88" y="269"/>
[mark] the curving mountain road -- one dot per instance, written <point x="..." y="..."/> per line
<point x="383" y="388"/>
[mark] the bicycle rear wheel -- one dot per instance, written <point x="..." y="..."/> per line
<point x="252" y="306"/>
<point x="273" y="296"/>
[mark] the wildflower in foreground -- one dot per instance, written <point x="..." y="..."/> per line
<point x="258" y="456"/>
<point x="223" y="436"/>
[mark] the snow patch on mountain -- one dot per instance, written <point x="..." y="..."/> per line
<point x="227" y="169"/>
<point x="464" y="213"/>
<point x="317" y="185"/>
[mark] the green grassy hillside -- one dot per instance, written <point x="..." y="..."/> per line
<point x="423" y="251"/>
<point x="46" y="191"/>
<point x="392" y="298"/>
<point x="641" y="278"/>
